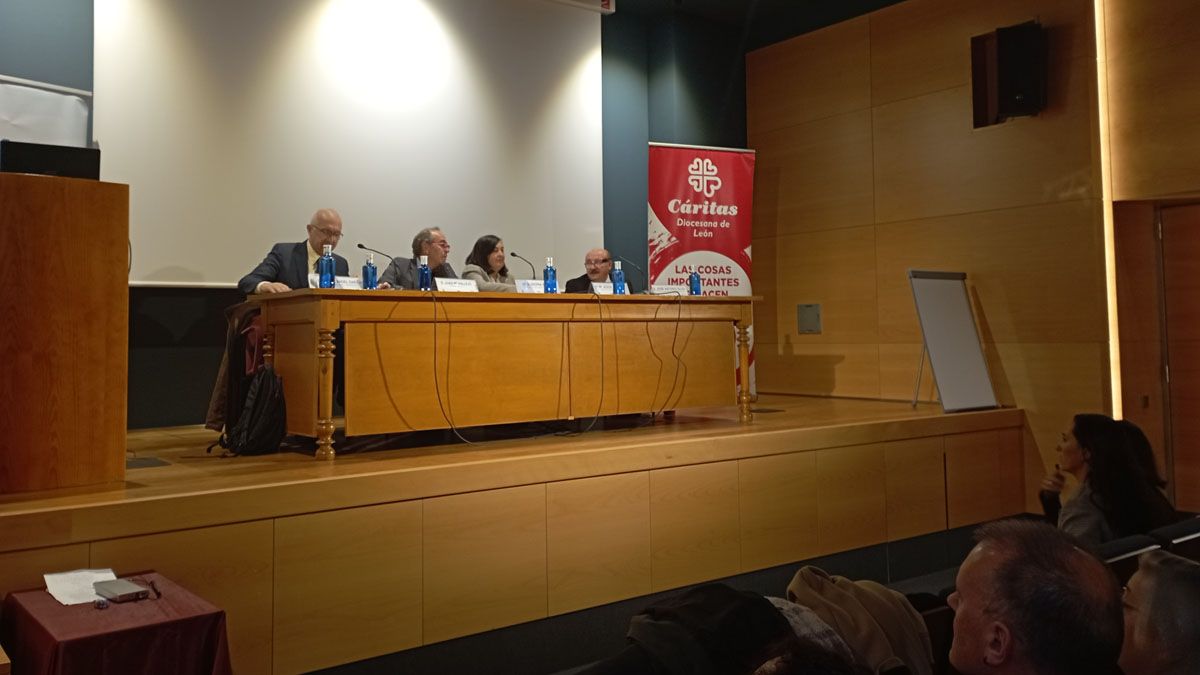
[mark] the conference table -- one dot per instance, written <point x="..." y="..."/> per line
<point x="438" y="360"/>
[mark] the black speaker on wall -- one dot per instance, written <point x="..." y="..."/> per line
<point x="1008" y="73"/>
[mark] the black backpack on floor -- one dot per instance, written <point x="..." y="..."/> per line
<point x="262" y="424"/>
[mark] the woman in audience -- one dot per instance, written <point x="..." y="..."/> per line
<point x="1162" y="617"/>
<point x="1120" y="491"/>
<point x="487" y="267"/>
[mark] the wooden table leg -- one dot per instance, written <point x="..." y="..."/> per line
<point x="743" y="347"/>
<point x="268" y="346"/>
<point x="325" y="349"/>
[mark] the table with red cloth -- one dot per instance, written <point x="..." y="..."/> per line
<point x="175" y="633"/>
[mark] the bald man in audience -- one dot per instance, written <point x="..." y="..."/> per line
<point x="1162" y="617"/>
<point x="1030" y="601"/>
<point x="287" y="266"/>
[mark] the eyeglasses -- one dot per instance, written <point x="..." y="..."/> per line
<point x="596" y="263"/>
<point x="330" y="234"/>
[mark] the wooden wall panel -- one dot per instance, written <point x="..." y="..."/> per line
<point x="778" y="509"/>
<point x="693" y="524"/>
<point x="1139" y="279"/>
<point x="898" y="373"/>
<point x="230" y="566"/>
<point x="1139" y="291"/>
<point x="916" y="487"/>
<point x="23" y="570"/>
<point x="819" y="74"/>
<point x="1135" y="26"/>
<point x="1154" y="113"/>
<point x="819" y="370"/>
<point x="597" y="540"/>
<point x="923" y="46"/>
<point x="1185" y="425"/>
<point x="766" y="324"/>
<point x="815" y="175"/>
<point x="851" y="497"/>
<point x="1181" y="277"/>
<point x="1051" y="383"/>
<point x="1016" y="206"/>
<point x="833" y="268"/>
<point x="1025" y="286"/>
<point x="930" y="162"/>
<point x="484" y="561"/>
<point x="984" y="477"/>
<point x="367" y="564"/>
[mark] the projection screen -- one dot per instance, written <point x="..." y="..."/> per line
<point x="233" y="121"/>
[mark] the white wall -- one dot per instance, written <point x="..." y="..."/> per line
<point x="233" y="121"/>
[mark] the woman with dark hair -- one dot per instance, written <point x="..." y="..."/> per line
<point x="487" y="267"/>
<point x="1120" y="491"/>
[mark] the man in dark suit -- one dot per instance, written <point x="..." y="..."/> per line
<point x="596" y="264"/>
<point x="401" y="273"/>
<point x="287" y="266"/>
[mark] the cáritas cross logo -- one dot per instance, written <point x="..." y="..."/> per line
<point x="702" y="176"/>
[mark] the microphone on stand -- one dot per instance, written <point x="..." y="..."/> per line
<point x="375" y="250"/>
<point x="520" y="257"/>
<point x="645" y="279"/>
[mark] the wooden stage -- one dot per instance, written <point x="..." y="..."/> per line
<point x="392" y="547"/>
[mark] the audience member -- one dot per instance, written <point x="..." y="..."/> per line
<point x="402" y="272"/>
<point x="1120" y="490"/>
<point x="1162" y="617"/>
<point x="487" y="266"/>
<point x="715" y="629"/>
<point x="596" y="264"/>
<point x="1030" y="601"/>
<point x="287" y="266"/>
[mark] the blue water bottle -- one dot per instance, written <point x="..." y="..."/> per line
<point x="424" y="275"/>
<point x="326" y="268"/>
<point x="694" y="282"/>
<point x="370" y="273"/>
<point x="618" y="278"/>
<point x="550" y="275"/>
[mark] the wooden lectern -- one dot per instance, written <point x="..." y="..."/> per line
<point x="65" y="348"/>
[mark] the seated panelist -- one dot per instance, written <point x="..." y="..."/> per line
<point x="402" y="272"/>
<point x="486" y="265"/>
<point x="287" y="266"/>
<point x="596" y="264"/>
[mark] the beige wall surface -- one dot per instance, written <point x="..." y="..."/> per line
<point x="868" y="166"/>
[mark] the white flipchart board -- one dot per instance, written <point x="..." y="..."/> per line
<point x="959" y="367"/>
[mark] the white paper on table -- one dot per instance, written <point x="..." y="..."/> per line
<point x="75" y="587"/>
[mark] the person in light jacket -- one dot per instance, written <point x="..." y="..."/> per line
<point x="487" y="267"/>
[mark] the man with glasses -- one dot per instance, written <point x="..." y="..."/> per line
<point x="287" y="266"/>
<point x="402" y="272"/>
<point x="596" y="264"/>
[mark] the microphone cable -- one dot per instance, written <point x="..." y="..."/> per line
<point x="600" y="403"/>
<point x="437" y="387"/>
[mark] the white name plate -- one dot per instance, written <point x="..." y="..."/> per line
<point x="343" y="283"/>
<point x="531" y="286"/>
<point x="456" y="285"/>
<point x="602" y="287"/>
<point x="668" y="289"/>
